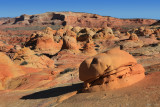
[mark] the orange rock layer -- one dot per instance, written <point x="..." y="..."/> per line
<point x="110" y="70"/>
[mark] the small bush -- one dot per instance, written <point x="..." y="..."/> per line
<point x="24" y="63"/>
<point x="67" y="70"/>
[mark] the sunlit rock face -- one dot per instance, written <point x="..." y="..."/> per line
<point x="28" y="58"/>
<point x="8" y="70"/>
<point x="110" y="70"/>
<point x="44" y="42"/>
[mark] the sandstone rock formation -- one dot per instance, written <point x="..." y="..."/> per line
<point x="14" y="40"/>
<point x="43" y="42"/>
<point x="132" y="44"/>
<point x="75" y="19"/>
<point x="89" y="49"/>
<point x="27" y="58"/>
<point x="70" y="43"/>
<point x="133" y="37"/>
<point x="5" y="47"/>
<point x="105" y="33"/>
<point x="110" y="70"/>
<point x="8" y="70"/>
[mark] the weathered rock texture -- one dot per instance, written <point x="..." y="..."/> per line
<point x="44" y="42"/>
<point x="8" y="70"/>
<point x="110" y="70"/>
<point x="28" y="58"/>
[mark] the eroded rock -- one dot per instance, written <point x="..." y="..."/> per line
<point x="43" y="42"/>
<point x="28" y="58"/>
<point x="8" y="70"/>
<point x="110" y="70"/>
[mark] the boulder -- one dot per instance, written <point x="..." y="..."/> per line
<point x="110" y="70"/>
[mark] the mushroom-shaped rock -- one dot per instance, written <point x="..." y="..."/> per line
<point x="8" y="70"/>
<point x="110" y="70"/>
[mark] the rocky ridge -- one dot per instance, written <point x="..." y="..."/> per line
<point x="76" y="19"/>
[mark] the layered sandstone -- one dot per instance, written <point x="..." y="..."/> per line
<point x="44" y="42"/>
<point x="110" y="70"/>
<point x="28" y="58"/>
<point x="8" y="70"/>
<point x="75" y="19"/>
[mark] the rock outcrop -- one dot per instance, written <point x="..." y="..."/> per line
<point x="70" y="43"/>
<point x="5" y="47"/>
<point x="28" y="58"/>
<point x="44" y="42"/>
<point x="134" y="37"/>
<point x="8" y="70"/>
<point x="105" y="33"/>
<point x="110" y="70"/>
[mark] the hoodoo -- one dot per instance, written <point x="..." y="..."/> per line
<point x="110" y="70"/>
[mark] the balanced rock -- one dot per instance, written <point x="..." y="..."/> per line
<point x="110" y="70"/>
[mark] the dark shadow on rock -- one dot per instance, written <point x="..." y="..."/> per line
<point x="54" y="92"/>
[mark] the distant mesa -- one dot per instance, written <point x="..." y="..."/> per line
<point x="75" y="19"/>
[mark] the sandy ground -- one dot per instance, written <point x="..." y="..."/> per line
<point x="145" y="93"/>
